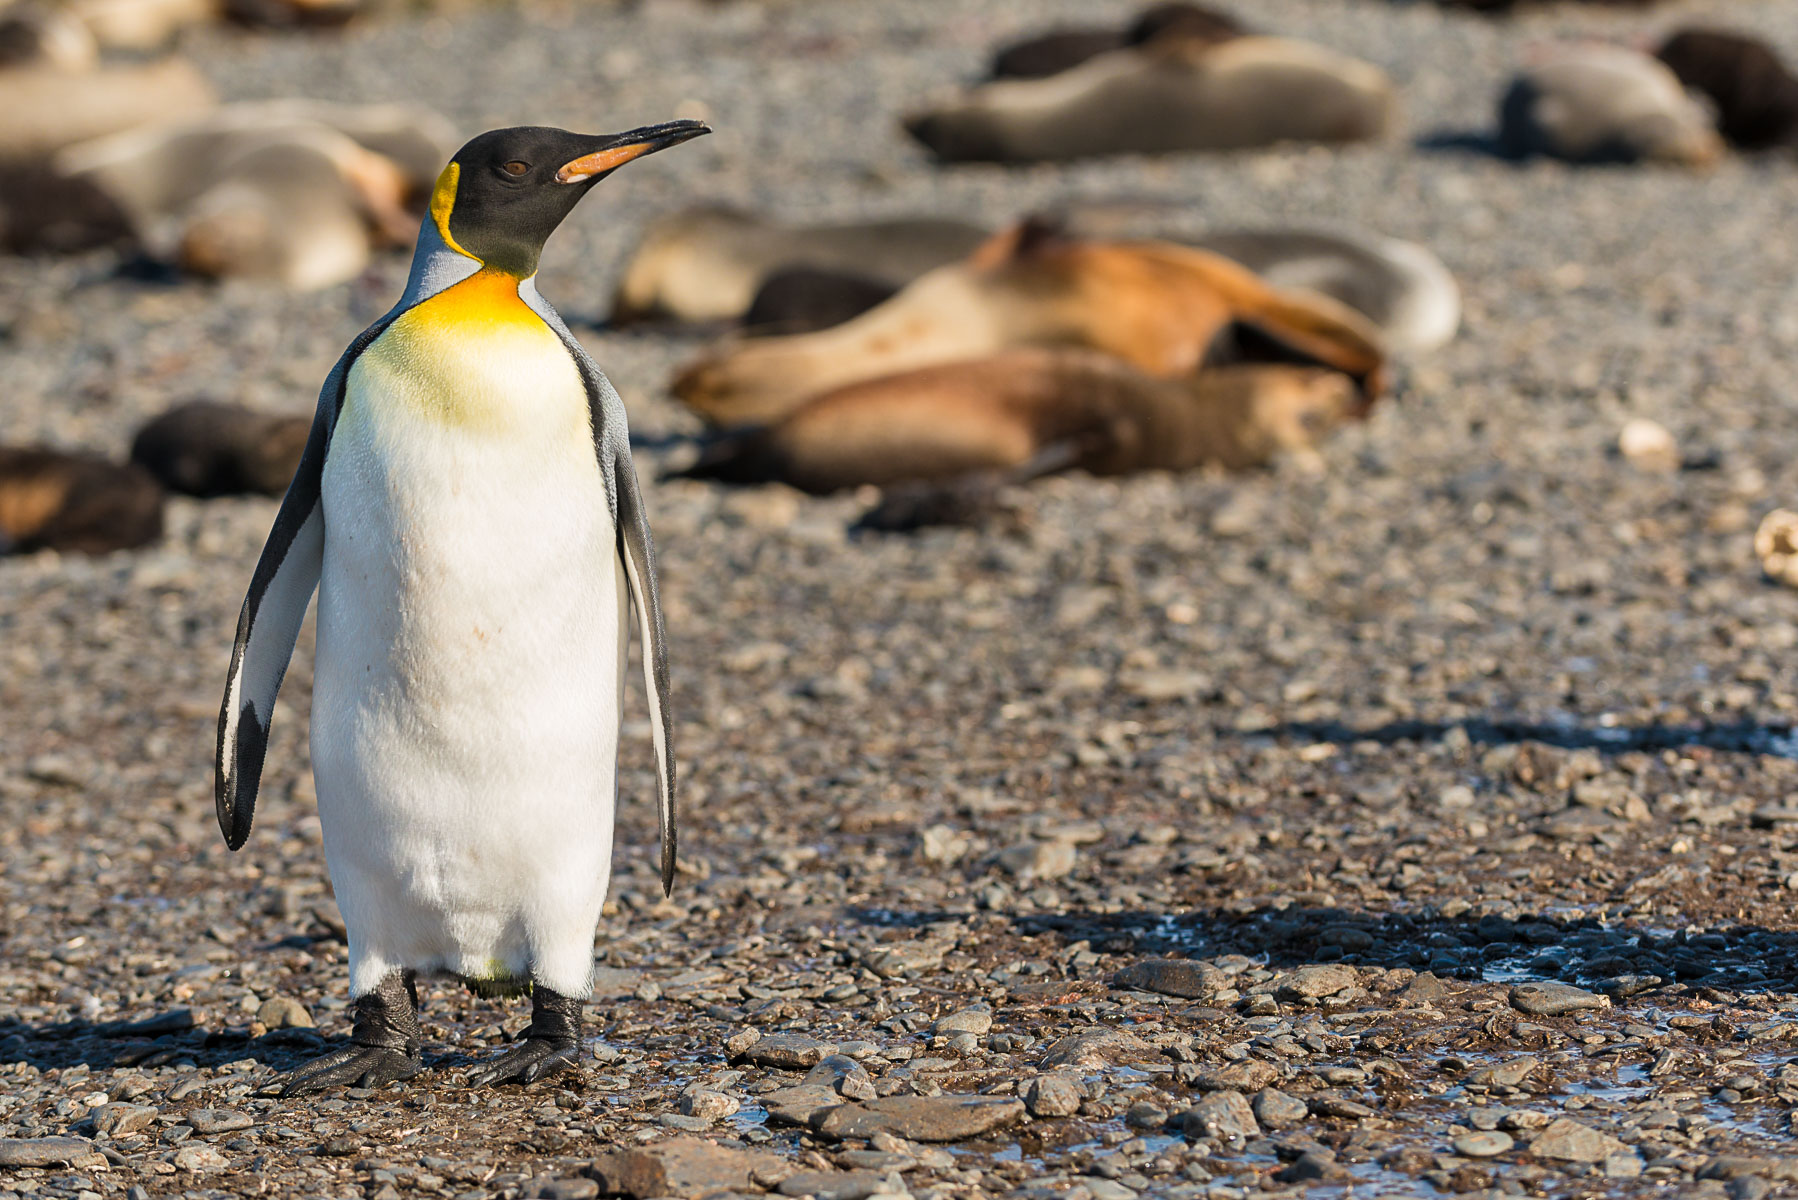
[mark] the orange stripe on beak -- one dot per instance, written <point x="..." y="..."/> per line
<point x="603" y="160"/>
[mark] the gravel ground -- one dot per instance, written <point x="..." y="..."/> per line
<point x="1456" y="778"/>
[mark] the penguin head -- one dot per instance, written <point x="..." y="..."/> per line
<point x="505" y="192"/>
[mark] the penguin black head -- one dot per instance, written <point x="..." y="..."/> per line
<point x="505" y="192"/>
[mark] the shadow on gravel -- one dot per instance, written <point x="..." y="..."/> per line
<point x="1740" y="737"/>
<point x="171" y="1037"/>
<point x="1622" y="960"/>
<point x="1466" y="141"/>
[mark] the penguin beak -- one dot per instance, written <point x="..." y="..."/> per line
<point x="619" y="148"/>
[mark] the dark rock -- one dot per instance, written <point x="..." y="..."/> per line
<point x="1225" y="1116"/>
<point x="789" y="1051"/>
<point x="1553" y="999"/>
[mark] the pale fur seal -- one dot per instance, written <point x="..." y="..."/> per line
<point x="206" y="449"/>
<point x="1157" y="305"/>
<point x="294" y="192"/>
<point x="45" y="108"/>
<point x="52" y="500"/>
<point x="1400" y="286"/>
<point x="1605" y="104"/>
<point x="706" y="264"/>
<point x="1063" y="408"/>
<point x="1167" y="96"/>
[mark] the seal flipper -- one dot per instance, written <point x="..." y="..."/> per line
<point x="273" y="610"/>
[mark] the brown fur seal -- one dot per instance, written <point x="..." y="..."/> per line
<point x="205" y="449"/>
<point x="43" y="212"/>
<point x="707" y="264"/>
<point x="1756" y="97"/>
<point x="44" y="108"/>
<point x="1061" y="49"/>
<point x="1156" y="305"/>
<point x="50" y="500"/>
<point x="1015" y="408"/>
<point x="1605" y="104"/>
<point x="805" y="299"/>
<point x="1170" y="95"/>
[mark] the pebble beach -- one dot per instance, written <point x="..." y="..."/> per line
<point x="1416" y="818"/>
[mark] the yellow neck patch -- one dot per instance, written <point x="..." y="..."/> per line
<point x="443" y="202"/>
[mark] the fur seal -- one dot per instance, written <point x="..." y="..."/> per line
<point x="1061" y="49"/>
<point x="45" y="108"/>
<point x="1604" y="104"/>
<point x="1400" y="286"/>
<point x="1063" y="408"/>
<point x="1756" y="96"/>
<point x="51" y="500"/>
<point x="1157" y="305"/>
<point x="806" y="299"/>
<point x="706" y="264"/>
<point x="1171" y="95"/>
<point x="296" y="192"/>
<point x="206" y="449"/>
<point x="142" y="24"/>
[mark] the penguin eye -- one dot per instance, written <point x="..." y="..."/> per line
<point x="516" y="168"/>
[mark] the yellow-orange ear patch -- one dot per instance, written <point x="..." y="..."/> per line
<point x="443" y="202"/>
<point x="609" y="159"/>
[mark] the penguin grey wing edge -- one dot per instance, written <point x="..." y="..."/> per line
<point x="273" y="609"/>
<point x="637" y="548"/>
<point x="637" y="551"/>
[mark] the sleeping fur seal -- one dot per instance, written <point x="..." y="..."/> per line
<point x="707" y="264"/>
<point x="1400" y="286"/>
<point x="1756" y="96"/>
<point x="296" y="192"/>
<point x="1061" y="49"/>
<point x="1066" y="408"/>
<point x="1156" y="305"/>
<point x="1605" y="104"/>
<point x="1170" y="95"/>
<point x="44" y="108"/>
<point x="51" y="500"/>
<point x="206" y="449"/>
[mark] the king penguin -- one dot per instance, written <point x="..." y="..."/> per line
<point x="467" y="510"/>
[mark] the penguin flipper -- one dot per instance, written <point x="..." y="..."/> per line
<point x="636" y="552"/>
<point x="273" y="609"/>
<point x="636" y="548"/>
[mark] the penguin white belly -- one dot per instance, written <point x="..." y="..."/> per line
<point x="470" y="645"/>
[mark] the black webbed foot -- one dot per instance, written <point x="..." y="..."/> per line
<point x="551" y="1044"/>
<point x="384" y="1045"/>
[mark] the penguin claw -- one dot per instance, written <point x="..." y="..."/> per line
<point x="536" y="1058"/>
<point x="353" y="1066"/>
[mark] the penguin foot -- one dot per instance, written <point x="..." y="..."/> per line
<point x="551" y="1044"/>
<point x="353" y="1066"/>
<point x="384" y="1045"/>
<point x="531" y="1060"/>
